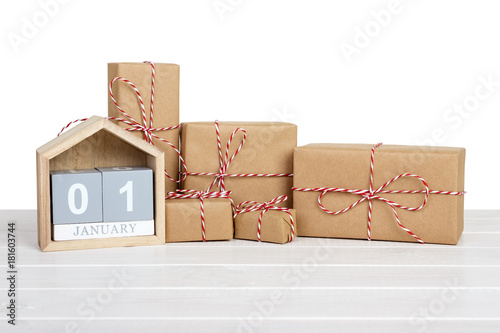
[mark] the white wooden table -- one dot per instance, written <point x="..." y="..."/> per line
<point x="313" y="285"/>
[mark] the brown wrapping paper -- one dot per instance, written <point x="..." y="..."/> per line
<point x="268" y="149"/>
<point x="348" y="166"/>
<point x="166" y="105"/>
<point x="183" y="219"/>
<point x="275" y="228"/>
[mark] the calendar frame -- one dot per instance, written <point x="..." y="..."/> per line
<point x="97" y="142"/>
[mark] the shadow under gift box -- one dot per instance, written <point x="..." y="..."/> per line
<point x="347" y="166"/>
<point x="275" y="227"/>
<point x="268" y="149"/>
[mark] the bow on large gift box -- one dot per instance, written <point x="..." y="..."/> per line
<point x="401" y="193"/>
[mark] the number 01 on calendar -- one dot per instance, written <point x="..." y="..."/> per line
<point x="102" y="203"/>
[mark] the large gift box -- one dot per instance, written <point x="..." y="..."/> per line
<point x="198" y="216"/>
<point x="253" y="160"/>
<point x="383" y="192"/>
<point x="265" y="222"/>
<point x="128" y="81"/>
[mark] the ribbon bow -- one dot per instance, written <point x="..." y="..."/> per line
<point x="252" y="206"/>
<point x="372" y="194"/>
<point x="148" y="129"/>
<point x="192" y="194"/>
<point x="225" y="162"/>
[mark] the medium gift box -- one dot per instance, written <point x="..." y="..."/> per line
<point x="264" y="221"/>
<point x="144" y="98"/>
<point x="198" y="216"/>
<point x="253" y="160"/>
<point x="382" y="192"/>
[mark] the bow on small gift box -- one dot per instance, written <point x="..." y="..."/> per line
<point x="253" y="206"/>
<point x="376" y="194"/>
<point x="141" y="125"/>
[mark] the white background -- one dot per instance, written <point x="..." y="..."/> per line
<point x="262" y="60"/>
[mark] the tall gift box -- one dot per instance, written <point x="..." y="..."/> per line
<point x="124" y="77"/>
<point x="253" y="160"/>
<point x="382" y="192"/>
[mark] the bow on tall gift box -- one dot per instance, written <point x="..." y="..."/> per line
<point x="144" y="99"/>
<point x="396" y="193"/>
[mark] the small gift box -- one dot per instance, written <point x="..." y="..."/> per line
<point x="264" y="221"/>
<point x="198" y="216"/>
<point x="397" y="193"/>
<point x="144" y="99"/>
<point x="252" y="160"/>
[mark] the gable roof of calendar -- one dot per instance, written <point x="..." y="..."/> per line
<point x="97" y="131"/>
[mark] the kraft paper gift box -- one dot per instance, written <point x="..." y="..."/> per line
<point x="268" y="149"/>
<point x="184" y="222"/>
<point x="276" y="226"/>
<point x="265" y="221"/>
<point x="319" y="168"/>
<point x="166" y="106"/>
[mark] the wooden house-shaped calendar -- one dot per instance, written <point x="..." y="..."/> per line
<point x="97" y="143"/>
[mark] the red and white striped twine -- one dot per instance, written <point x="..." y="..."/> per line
<point x="252" y="206"/>
<point x="135" y="125"/>
<point x="225" y="162"/>
<point x="372" y="194"/>
<point x="192" y="194"/>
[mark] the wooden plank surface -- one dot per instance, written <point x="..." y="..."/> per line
<point x="223" y="303"/>
<point x="313" y="285"/>
<point x="292" y="325"/>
